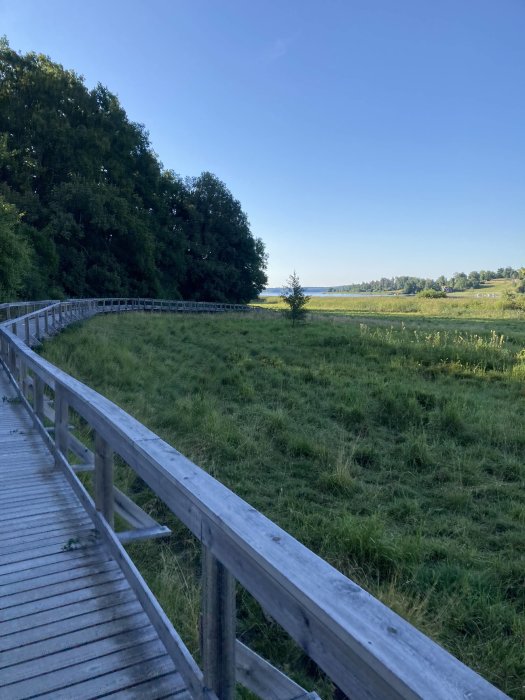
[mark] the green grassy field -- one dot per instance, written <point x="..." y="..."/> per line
<point x="453" y="308"/>
<point x="392" y="446"/>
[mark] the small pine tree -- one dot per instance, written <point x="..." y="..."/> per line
<point x="293" y="295"/>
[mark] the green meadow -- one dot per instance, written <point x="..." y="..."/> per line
<point x="386" y="434"/>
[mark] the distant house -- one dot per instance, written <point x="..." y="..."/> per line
<point x="448" y="289"/>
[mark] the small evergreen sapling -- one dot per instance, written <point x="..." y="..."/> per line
<point x="293" y="295"/>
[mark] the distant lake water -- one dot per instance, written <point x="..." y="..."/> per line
<point x="319" y="292"/>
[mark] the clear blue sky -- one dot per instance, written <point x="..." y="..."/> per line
<point x="364" y="138"/>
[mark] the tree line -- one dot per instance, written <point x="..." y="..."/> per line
<point x="459" y="282"/>
<point x="87" y="209"/>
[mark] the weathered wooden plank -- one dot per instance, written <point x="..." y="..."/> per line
<point x="37" y="484"/>
<point x="51" y="543"/>
<point x="74" y="656"/>
<point x="80" y="450"/>
<point x="42" y="509"/>
<point x="131" y="512"/>
<point x="51" y="591"/>
<point x="95" y="567"/>
<point x="32" y="500"/>
<point x="64" y="683"/>
<point x="11" y="491"/>
<point x="167" y="687"/>
<point x="32" y="608"/>
<point x="121" y="680"/>
<point x="143" y="534"/>
<point x="34" y="564"/>
<point x="39" y="506"/>
<point x="263" y="679"/>
<point x="61" y="642"/>
<point x="58" y="627"/>
<point x="35" y="521"/>
<point x="17" y="539"/>
<point x="63" y="612"/>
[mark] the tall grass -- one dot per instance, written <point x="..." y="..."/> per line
<point x="467" y="307"/>
<point x="394" y="450"/>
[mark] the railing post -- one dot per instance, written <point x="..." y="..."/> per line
<point x="12" y="355"/>
<point x="60" y="314"/>
<point x="26" y="327"/>
<point x="37" y="327"/>
<point x="104" y="479"/>
<point x="38" y="397"/>
<point x="22" y="377"/>
<point x="218" y="627"/>
<point x="61" y="421"/>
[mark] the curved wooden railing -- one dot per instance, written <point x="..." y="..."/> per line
<point x="363" y="646"/>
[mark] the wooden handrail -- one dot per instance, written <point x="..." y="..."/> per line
<point x="362" y="645"/>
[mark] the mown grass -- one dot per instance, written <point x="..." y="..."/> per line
<point x="394" y="449"/>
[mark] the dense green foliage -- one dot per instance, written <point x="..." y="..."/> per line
<point x="391" y="447"/>
<point x="457" y="283"/>
<point x="100" y="215"/>
<point x="432" y="293"/>
<point x="14" y="252"/>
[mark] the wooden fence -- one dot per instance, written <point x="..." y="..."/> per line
<point x="363" y="646"/>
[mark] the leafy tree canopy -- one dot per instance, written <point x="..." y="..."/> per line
<point x="98" y="213"/>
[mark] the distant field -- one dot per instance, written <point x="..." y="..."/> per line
<point x="473" y="304"/>
<point x="391" y="446"/>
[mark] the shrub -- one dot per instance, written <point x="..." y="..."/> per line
<point x="431" y="294"/>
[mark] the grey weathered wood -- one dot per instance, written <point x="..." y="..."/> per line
<point x="218" y="624"/>
<point x="80" y="450"/>
<point x="61" y="682"/>
<point x="144" y="533"/>
<point x="45" y="597"/>
<point x="75" y="655"/>
<point x="263" y="679"/>
<point x="103" y="484"/>
<point x="130" y="511"/>
<point x="174" y="645"/>
<point x="63" y="626"/>
<point x="152" y="668"/>
<point x="38" y="397"/>
<point x="62" y="641"/>
<point x="61" y="419"/>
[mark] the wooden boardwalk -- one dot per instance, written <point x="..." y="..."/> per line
<point x="70" y="625"/>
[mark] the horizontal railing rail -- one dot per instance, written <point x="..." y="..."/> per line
<point x="364" y="647"/>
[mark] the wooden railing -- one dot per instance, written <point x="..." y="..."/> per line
<point x="364" y="647"/>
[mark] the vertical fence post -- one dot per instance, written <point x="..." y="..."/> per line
<point x="22" y="377"/>
<point x="38" y="397"/>
<point x="12" y="360"/>
<point x="37" y="326"/>
<point x="61" y="420"/>
<point x="218" y="627"/>
<point x="26" y="327"/>
<point x="60" y="314"/>
<point x="104" y="479"/>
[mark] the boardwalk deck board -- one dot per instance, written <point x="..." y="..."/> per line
<point x="70" y="625"/>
